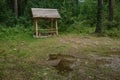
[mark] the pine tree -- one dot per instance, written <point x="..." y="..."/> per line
<point x="110" y="12"/>
<point x="99" y="17"/>
<point x="16" y="8"/>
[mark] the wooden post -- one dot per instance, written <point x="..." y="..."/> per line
<point x="56" y="23"/>
<point x="36" y="27"/>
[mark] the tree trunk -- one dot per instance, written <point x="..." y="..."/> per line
<point x="16" y="8"/>
<point x="21" y="6"/>
<point x="110" y="13"/>
<point x="99" y="17"/>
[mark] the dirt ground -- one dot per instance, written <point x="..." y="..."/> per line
<point x="101" y="55"/>
<point x="108" y="56"/>
<point x="87" y="57"/>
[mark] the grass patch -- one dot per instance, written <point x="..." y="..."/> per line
<point x="23" y="56"/>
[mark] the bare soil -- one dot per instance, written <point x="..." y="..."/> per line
<point x="87" y="58"/>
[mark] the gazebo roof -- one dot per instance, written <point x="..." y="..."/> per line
<point x="45" y="13"/>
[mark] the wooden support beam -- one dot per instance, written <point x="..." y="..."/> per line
<point x="56" y="25"/>
<point x="36" y="27"/>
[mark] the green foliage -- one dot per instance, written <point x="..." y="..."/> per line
<point x="88" y="11"/>
<point x="114" y="32"/>
<point x="6" y="15"/>
<point x="117" y="11"/>
<point x="80" y="27"/>
<point x="77" y="17"/>
<point x="8" y="33"/>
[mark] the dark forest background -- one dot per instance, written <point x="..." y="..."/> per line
<point x="77" y="16"/>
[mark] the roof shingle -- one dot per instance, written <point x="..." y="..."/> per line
<point x="45" y="13"/>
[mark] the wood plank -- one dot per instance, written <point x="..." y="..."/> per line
<point x="36" y="27"/>
<point x="56" y="22"/>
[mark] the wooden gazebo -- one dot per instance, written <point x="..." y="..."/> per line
<point x="41" y="13"/>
